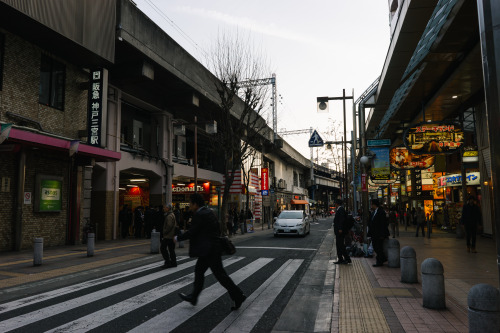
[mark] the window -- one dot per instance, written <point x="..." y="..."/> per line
<point x="52" y="79"/>
<point x="2" y="43"/>
<point x="295" y="179"/>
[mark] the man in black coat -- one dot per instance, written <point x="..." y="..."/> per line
<point x="378" y="230"/>
<point x="471" y="217"/>
<point x="204" y="236"/>
<point x="340" y="233"/>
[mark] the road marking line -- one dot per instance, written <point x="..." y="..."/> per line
<point x="259" y="302"/>
<point x="76" y="287"/>
<point x="274" y="248"/>
<point x="178" y="314"/>
<point x="59" y="308"/>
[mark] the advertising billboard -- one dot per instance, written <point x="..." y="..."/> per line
<point x="48" y="194"/>
<point x="381" y="168"/>
<point x="433" y="138"/>
<point x="402" y="158"/>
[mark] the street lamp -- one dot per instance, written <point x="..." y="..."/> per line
<point x="323" y="107"/>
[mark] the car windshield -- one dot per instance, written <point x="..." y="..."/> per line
<point x="291" y="215"/>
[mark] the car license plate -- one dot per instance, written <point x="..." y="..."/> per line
<point x="287" y="229"/>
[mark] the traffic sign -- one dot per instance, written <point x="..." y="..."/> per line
<point x="380" y="142"/>
<point x="265" y="192"/>
<point x="315" y="140"/>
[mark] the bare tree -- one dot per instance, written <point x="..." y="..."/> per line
<point x="235" y="62"/>
<point x="333" y="154"/>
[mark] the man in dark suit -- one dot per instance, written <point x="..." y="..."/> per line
<point x="204" y="243"/>
<point x="340" y="233"/>
<point x="378" y="230"/>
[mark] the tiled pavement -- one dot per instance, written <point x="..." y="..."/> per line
<point x="366" y="298"/>
<point x="372" y="299"/>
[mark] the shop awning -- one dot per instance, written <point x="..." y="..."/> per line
<point x="299" y="202"/>
<point x="62" y="144"/>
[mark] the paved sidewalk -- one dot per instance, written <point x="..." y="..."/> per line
<point x="372" y="299"/>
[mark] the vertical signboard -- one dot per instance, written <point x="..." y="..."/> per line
<point x="264" y="181"/>
<point x="381" y="167"/>
<point x="417" y="184"/>
<point x="95" y="109"/>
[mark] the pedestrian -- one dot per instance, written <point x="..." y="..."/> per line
<point x="420" y="221"/>
<point x="393" y="222"/>
<point x="204" y="236"/>
<point x="339" y="222"/>
<point x="148" y="221"/>
<point x="378" y="231"/>
<point x="138" y="221"/>
<point x="167" y="246"/>
<point x="413" y="216"/>
<point x="124" y="219"/>
<point x="236" y="223"/>
<point x="229" y="222"/>
<point x="471" y="218"/>
<point x="243" y="223"/>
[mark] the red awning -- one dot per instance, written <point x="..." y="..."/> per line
<point x="299" y="202"/>
<point x="50" y="142"/>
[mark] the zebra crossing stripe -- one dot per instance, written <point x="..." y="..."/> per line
<point x="76" y="287"/>
<point x="178" y="314"/>
<point x="59" y="308"/>
<point x="260" y="300"/>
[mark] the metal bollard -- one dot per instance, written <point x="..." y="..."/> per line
<point x="408" y="261"/>
<point x="37" y="251"/>
<point x="155" y="242"/>
<point x="433" y="284"/>
<point x="393" y="253"/>
<point x="90" y="244"/>
<point x="484" y="308"/>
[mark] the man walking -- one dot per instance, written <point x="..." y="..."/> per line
<point x="204" y="236"/>
<point x="420" y="220"/>
<point x="339" y="223"/>
<point x="378" y="231"/>
<point x="167" y="247"/>
<point x="471" y="215"/>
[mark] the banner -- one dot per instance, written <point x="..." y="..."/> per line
<point x="381" y="167"/>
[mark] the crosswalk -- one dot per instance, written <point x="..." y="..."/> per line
<point x="144" y="299"/>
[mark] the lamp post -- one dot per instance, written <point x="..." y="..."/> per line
<point x="323" y="107"/>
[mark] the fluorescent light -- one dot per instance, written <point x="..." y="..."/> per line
<point x="121" y="188"/>
<point x="454" y="96"/>
<point x="139" y="180"/>
<point x="132" y="186"/>
<point x="180" y="184"/>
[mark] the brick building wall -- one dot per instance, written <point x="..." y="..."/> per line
<point x="20" y="95"/>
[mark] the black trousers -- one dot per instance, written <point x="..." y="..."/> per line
<point x="340" y="245"/>
<point x="167" y="249"/>
<point x="214" y="262"/>
<point x="421" y="225"/>
<point x="378" y="247"/>
<point x="470" y="235"/>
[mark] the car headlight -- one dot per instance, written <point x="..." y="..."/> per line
<point x="276" y="224"/>
<point x="299" y="224"/>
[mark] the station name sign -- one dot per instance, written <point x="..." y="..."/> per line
<point x="433" y="138"/>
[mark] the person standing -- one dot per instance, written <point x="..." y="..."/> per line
<point x="420" y="221"/>
<point x="471" y="215"/>
<point x="124" y="220"/>
<point x="378" y="231"/>
<point x="138" y="221"/>
<point x="167" y="246"/>
<point x="339" y="221"/>
<point x="393" y="222"/>
<point x="204" y="236"/>
<point x="148" y="221"/>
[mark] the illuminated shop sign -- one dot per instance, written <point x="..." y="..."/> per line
<point x="470" y="155"/>
<point x="471" y="179"/>
<point x="433" y="138"/>
<point x="205" y="188"/>
<point x="402" y="158"/>
<point x="48" y="194"/>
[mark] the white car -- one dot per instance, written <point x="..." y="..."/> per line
<point x="292" y="222"/>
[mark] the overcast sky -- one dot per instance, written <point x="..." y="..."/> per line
<point x="315" y="47"/>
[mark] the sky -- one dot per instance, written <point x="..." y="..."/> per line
<point x="316" y="48"/>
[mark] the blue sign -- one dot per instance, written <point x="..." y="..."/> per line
<point x="376" y="143"/>
<point x="265" y="192"/>
<point x="315" y="140"/>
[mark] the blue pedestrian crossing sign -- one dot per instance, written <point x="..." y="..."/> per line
<point x="315" y="140"/>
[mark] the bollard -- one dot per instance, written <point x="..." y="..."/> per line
<point x="433" y="284"/>
<point x="484" y="308"/>
<point x="37" y="251"/>
<point x="155" y="242"/>
<point x="386" y="248"/>
<point x="90" y="244"/>
<point x="393" y="253"/>
<point x="408" y="264"/>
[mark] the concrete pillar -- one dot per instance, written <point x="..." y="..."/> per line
<point x="37" y="251"/>
<point x="433" y="284"/>
<point x="408" y="261"/>
<point x="393" y="253"/>
<point x="90" y="244"/>
<point x="155" y="242"/>
<point x="484" y="308"/>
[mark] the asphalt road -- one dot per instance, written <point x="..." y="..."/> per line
<point x="143" y="297"/>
